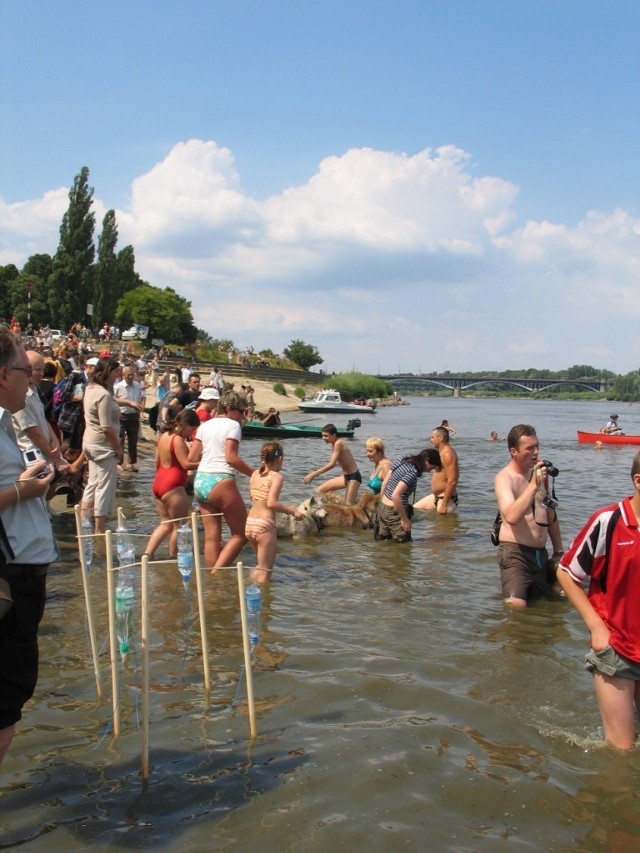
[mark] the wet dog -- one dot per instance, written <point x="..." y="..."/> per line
<point x="340" y="514"/>
<point x="314" y="515"/>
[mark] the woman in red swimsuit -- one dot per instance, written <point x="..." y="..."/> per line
<point x="172" y="467"/>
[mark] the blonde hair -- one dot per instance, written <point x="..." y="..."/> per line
<point x="374" y="443"/>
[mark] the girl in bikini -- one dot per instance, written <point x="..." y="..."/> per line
<point x="168" y="488"/>
<point x="264" y="488"/>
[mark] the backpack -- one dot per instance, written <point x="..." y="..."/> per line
<point x="62" y="392"/>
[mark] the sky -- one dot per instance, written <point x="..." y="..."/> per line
<point x="407" y="185"/>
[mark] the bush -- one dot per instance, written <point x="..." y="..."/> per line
<point x="299" y="392"/>
<point x="279" y="388"/>
<point x="354" y="385"/>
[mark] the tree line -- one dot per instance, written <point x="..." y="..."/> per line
<point x="57" y="291"/>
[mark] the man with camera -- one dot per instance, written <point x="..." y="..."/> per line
<point x="27" y="546"/>
<point x="528" y="516"/>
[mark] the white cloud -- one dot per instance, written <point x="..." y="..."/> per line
<point x="379" y="259"/>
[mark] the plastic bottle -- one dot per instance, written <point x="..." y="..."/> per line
<point x="125" y="548"/>
<point x="253" y="598"/>
<point x="87" y="543"/>
<point x="185" y="551"/>
<point x="124" y="606"/>
<point x="124" y="587"/>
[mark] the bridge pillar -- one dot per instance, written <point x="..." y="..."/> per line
<point x="457" y="392"/>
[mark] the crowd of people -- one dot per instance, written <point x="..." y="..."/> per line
<point x="80" y="423"/>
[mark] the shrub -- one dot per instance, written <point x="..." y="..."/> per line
<point x="279" y="388"/>
<point x="299" y="392"/>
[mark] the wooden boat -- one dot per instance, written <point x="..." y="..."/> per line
<point x="256" y="429"/>
<point x="331" y="401"/>
<point x="613" y="438"/>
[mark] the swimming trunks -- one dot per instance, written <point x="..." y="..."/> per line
<point x="257" y="527"/>
<point x="172" y="477"/>
<point x="204" y="482"/>
<point x="355" y="475"/>
<point x="375" y="484"/>
<point x="437" y="498"/>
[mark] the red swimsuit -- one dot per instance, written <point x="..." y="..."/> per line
<point x="169" y="478"/>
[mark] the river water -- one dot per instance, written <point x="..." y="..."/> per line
<point x="399" y="705"/>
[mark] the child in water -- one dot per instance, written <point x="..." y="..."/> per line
<point x="264" y="488"/>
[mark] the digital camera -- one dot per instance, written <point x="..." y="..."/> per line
<point x="552" y="471"/>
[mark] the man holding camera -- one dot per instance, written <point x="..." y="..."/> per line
<point x="528" y="516"/>
<point x="27" y="546"/>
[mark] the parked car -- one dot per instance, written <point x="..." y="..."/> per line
<point x="57" y="334"/>
<point x="137" y="332"/>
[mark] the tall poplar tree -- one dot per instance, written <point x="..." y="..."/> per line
<point x="106" y="288"/>
<point x="71" y="282"/>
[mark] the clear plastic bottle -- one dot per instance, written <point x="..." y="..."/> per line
<point x="87" y="543"/>
<point x="185" y="551"/>
<point x="253" y="598"/>
<point x="125" y="548"/>
<point x="124" y="587"/>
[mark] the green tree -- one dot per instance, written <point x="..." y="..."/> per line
<point x="7" y="274"/>
<point x="627" y="387"/>
<point x="304" y="355"/>
<point x="35" y="305"/>
<point x="70" y="283"/>
<point x="106" y="289"/>
<point x="167" y="314"/>
<point x="128" y="278"/>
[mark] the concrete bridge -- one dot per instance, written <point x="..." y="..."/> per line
<point x="459" y="384"/>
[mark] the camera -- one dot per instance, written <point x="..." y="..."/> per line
<point x="552" y="471"/>
<point x="32" y="457"/>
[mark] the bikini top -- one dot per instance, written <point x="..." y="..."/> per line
<point x="375" y="483"/>
<point x="259" y="486"/>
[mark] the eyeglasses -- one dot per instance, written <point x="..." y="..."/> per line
<point x="27" y="370"/>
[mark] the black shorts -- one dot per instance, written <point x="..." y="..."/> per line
<point x="19" y="639"/>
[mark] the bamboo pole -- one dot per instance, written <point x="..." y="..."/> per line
<point x="246" y="645"/>
<point x="87" y="600"/>
<point x="113" y="640"/>
<point x="144" y="634"/>
<point x="201" y="609"/>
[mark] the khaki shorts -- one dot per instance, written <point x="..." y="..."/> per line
<point x="609" y="662"/>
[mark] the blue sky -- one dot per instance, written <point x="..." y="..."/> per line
<point x="406" y="185"/>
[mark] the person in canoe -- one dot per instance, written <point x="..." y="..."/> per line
<point x="612" y="427"/>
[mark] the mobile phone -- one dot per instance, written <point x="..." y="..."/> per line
<point x="32" y="457"/>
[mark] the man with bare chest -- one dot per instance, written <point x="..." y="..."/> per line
<point x="444" y="480"/>
<point x="527" y="520"/>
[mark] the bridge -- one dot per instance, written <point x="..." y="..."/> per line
<point x="459" y="384"/>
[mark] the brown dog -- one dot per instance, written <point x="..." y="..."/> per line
<point x="340" y="514"/>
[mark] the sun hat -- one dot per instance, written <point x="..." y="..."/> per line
<point x="209" y="394"/>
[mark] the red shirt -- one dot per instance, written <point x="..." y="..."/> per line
<point x="619" y="606"/>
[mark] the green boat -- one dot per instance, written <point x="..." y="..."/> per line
<point x="256" y="429"/>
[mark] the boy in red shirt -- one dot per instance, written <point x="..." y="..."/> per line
<point x="606" y="553"/>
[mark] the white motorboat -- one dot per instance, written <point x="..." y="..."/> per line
<point x="331" y="401"/>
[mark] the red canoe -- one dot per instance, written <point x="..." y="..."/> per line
<point x="614" y="438"/>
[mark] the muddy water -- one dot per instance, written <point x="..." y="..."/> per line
<point x="399" y="705"/>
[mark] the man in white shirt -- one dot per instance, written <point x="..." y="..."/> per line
<point x="128" y="395"/>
